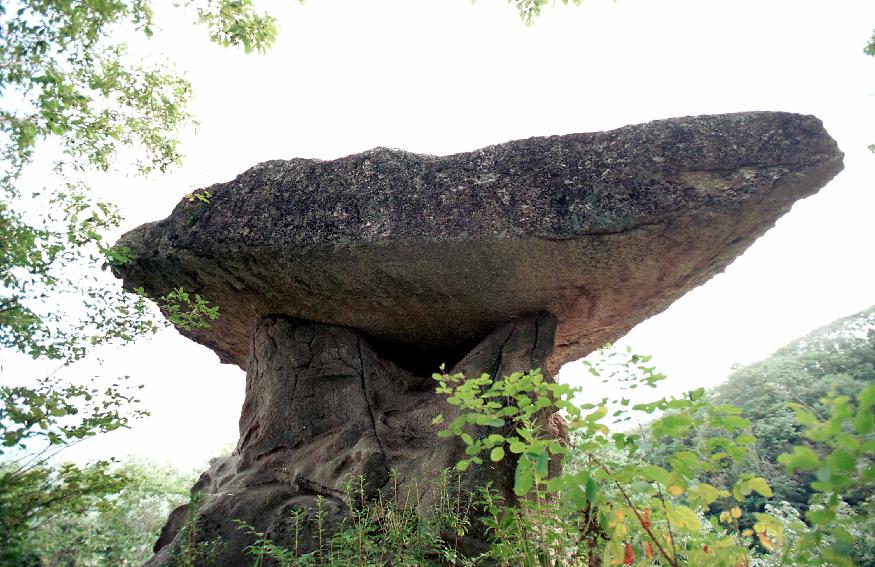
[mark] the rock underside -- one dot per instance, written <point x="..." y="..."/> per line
<point x="341" y="285"/>
<point x="429" y="254"/>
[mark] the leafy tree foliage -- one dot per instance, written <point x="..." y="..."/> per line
<point x="611" y="504"/>
<point x="838" y="358"/>
<point x="809" y="411"/>
<point x="531" y="9"/>
<point x="37" y="496"/>
<point x="70" y="85"/>
<point x="700" y="503"/>
<point x="35" y="424"/>
<point x="121" y="528"/>
<point x="833" y="361"/>
<point x="72" y="91"/>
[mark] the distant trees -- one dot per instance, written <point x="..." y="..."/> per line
<point x="106" y="514"/>
<point x="36" y="423"/>
<point x="837" y="359"/>
<point x="786" y="398"/>
<point x="121" y="529"/>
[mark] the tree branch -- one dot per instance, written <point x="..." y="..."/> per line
<point x="662" y="551"/>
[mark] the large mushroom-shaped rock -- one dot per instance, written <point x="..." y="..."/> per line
<point x="428" y="254"/>
<point x="340" y="284"/>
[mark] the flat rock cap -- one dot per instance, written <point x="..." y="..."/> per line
<point x="428" y="254"/>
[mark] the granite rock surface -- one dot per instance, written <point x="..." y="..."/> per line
<point x="429" y="254"/>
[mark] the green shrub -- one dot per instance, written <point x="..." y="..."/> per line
<point x="609" y="503"/>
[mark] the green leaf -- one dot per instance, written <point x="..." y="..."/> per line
<point x="497" y="454"/>
<point x="523" y="479"/>
<point x="760" y="485"/>
<point x="704" y="494"/>
<point x="577" y="497"/>
<point x="556" y="484"/>
<point x="591" y="489"/>
<point x="841" y="461"/>
<point x="672" y="425"/>
<point x="822" y="516"/>
<point x="866" y="398"/>
<point x="541" y="461"/>
<point x="656" y="474"/>
<point x="745" y="439"/>
<point x="598" y="414"/>
<point x="864" y="423"/>
<point x="517" y="447"/>
<point x="684" y="518"/>
<point x="802" y="458"/>
<point x="494" y="439"/>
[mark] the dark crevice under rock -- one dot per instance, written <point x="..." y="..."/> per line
<point x="370" y="405"/>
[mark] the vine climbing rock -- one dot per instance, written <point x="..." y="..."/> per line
<point x="341" y="284"/>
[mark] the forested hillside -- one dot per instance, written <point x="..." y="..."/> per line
<point x="805" y="376"/>
<point x="838" y="358"/>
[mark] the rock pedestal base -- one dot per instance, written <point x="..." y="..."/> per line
<point x="323" y="411"/>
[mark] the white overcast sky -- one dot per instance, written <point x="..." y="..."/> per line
<point x="443" y="76"/>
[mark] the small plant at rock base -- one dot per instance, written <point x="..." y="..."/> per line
<point x="263" y="548"/>
<point x="192" y="551"/>
<point x="384" y="529"/>
<point x="609" y="503"/>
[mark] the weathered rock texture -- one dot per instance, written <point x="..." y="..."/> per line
<point x="602" y="230"/>
<point x="323" y="409"/>
<point x="341" y="284"/>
